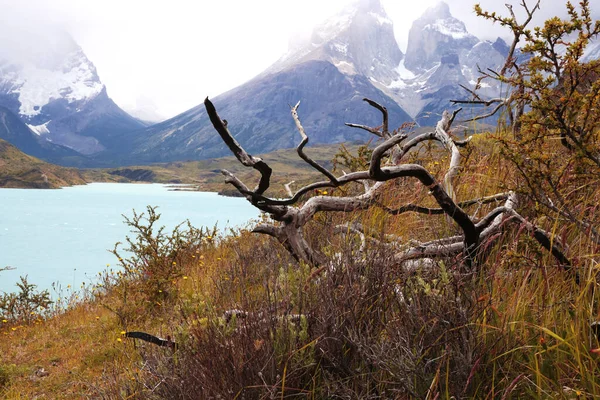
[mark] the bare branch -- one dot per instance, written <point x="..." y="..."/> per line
<point x="486" y="103"/>
<point x="439" y="211"/>
<point x="267" y="229"/>
<point x="288" y="188"/>
<point x="463" y="143"/>
<point x="471" y="236"/>
<point x="276" y="211"/>
<point x="385" y="131"/>
<point x="237" y="150"/>
<point x="410" y="144"/>
<point x="430" y="251"/>
<point x="484" y="116"/>
<point x="441" y="133"/>
<point x="374" y="131"/>
<point x="303" y="143"/>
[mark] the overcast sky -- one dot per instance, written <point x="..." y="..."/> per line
<point x="172" y="54"/>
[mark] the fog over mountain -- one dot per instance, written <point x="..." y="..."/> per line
<point x="177" y="53"/>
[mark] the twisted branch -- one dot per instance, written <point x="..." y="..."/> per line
<point x="237" y="150"/>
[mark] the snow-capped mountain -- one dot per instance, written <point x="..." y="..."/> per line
<point x="441" y="56"/>
<point x="349" y="57"/>
<point x="352" y="55"/>
<point x="55" y="89"/>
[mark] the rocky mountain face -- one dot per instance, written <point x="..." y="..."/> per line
<point x="16" y="132"/>
<point x="441" y="56"/>
<point x="56" y="91"/>
<point x="358" y="41"/>
<point x="434" y="35"/>
<point x="592" y="52"/>
<point x="330" y="73"/>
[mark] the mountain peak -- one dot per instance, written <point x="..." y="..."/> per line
<point x="358" y="40"/>
<point x="369" y="6"/>
<point x="54" y="67"/>
<point x="435" y="34"/>
<point x="439" y="11"/>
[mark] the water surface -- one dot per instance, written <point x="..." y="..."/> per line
<point x="64" y="235"/>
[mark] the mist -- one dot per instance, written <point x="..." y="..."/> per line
<point x="175" y="54"/>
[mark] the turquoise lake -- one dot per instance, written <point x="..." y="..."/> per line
<point x="64" y="235"/>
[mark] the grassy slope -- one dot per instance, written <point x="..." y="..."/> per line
<point x="18" y="170"/>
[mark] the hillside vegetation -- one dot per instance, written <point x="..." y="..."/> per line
<point x="426" y="267"/>
<point x="18" y="170"/>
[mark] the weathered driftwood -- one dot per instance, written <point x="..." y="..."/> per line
<point x="290" y="215"/>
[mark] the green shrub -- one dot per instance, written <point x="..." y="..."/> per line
<point x="26" y="305"/>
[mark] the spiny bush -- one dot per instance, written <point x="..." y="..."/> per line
<point x="26" y="305"/>
<point x="151" y="264"/>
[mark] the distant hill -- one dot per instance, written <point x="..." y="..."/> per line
<point x="18" y="170"/>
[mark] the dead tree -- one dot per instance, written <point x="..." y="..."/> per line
<point x="291" y="215"/>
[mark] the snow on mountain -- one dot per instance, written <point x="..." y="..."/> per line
<point x="345" y="59"/>
<point x="441" y="55"/>
<point x="435" y="34"/>
<point x="358" y="40"/>
<point x="352" y="55"/>
<point x="592" y="52"/>
<point x="49" y="83"/>
<point x="59" y="71"/>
